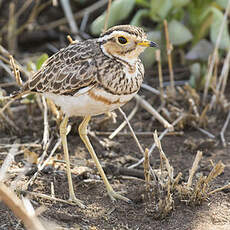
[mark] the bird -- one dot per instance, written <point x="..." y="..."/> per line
<point x="89" y="78"/>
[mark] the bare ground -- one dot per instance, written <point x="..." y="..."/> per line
<point x="101" y="213"/>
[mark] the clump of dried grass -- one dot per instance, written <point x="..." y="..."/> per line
<point x="164" y="188"/>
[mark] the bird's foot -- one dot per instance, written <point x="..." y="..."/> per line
<point x="115" y="195"/>
<point x="74" y="201"/>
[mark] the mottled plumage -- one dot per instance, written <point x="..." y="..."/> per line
<point x="82" y="64"/>
<point x="92" y="77"/>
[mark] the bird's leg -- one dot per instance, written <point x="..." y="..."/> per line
<point x="83" y="134"/>
<point x="63" y="131"/>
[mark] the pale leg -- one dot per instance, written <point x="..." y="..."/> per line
<point x="83" y="134"/>
<point x="63" y="131"/>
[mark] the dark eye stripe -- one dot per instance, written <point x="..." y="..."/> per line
<point x="122" y="40"/>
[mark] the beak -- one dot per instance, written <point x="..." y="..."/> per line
<point x="148" y="44"/>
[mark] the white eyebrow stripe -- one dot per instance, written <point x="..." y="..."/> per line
<point x="113" y="34"/>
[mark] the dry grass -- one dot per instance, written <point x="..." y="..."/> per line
<point x="163" y="188"/>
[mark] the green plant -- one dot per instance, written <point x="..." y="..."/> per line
<point x="192" y="24"/>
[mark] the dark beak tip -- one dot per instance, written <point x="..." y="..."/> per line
<point x="153" y="44"/>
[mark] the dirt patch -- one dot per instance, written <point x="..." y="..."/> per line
<point x="101" y="212"/>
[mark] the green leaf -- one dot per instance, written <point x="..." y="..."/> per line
<point x="118" y="12"/>
<point x="136" y="21"/>
<point x="222" y="3"/>
<point x="178" y="33"/>
<point x="143" y="3"/>
<point x="202" y="29"/>
<point x="195" y="69"/>
<point x="197" y="77"/>
<point x="41" y="60"/>
<point x="218" y="18"/>
<point x="180" y="3"/>
<point x="201" y="51"/>
<point x="160" y="9"/>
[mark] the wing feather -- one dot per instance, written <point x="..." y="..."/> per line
<point x="67" y="71"/>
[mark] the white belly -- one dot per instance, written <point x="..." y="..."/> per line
<point x="82" y="104"/>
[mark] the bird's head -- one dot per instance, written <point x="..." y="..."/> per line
<point x="125" y="42"/>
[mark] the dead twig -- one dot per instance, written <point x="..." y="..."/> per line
<point x="6" y="67"/>
<point x="123" y="171"/>
<point x="143" y="134"/>
<point x="224" y="129"/>
<point x="12" y="24"/>
<point x="146" y="169"/>
<point x="70" y="18"/>
<point x="33" y="145"/>
<point x="77" y="15"/>
<point x="219" y="91"/>
<point x="133" y="133"/>
<point x="215" y="54"/>
<point x="7" y="162"/>
<point x="169" y="52"/>
<point x="225" y="71"/>
<point x="34" y="13"/>
<point x="107" y="15"/>
<point x="42" y="163"/>
<point x="160" y="75"/>
<point x="216" y="171"/>
<point x="44" y="196"/>
<point x="210" y="135"/>
<point x="123" y="124"/>
<point x="16" y="71"/>
<point x="152" y="111"/>
<point x="46" y="123"/>
<point x="160" y="137"/>
<point x="8" y="120"/>
<point x="16" y="205"/>
<point x="5" y="53"/>
<point x="194" y="168"/>
<point x="219" y="189"/>
<point x="152" y="90"/>
<point x="163" y="156"/>
<point x="194" y="107"/>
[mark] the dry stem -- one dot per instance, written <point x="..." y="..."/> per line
<point x="146" y="169"/>
<point x="46" y="123"/>
<point x="224" y="128"/>
<point x="194" y="168"/>
<point x="69" y="16"/>
<point x="160" y="137"/>
<point x="16" y="71"/>
<point x="123" y="124"/>
<point x="133" y="133"/>
<point x="152" y="111"/>
<point x="225" y="72"/>
<point x="169" y="51"/>
<point x="163" y="156"/>
<point x="107" y="15"/>
<point x="215" y="54"/>
<point x="15" y="204"/>
<point x="11" y="37"/>
<point x="77" y="15"/>
<point x="160" y="76"/>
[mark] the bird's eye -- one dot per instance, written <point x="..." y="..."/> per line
<point x="122" y="40"/>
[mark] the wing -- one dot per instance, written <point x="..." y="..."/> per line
<point x="67" y="71"/>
